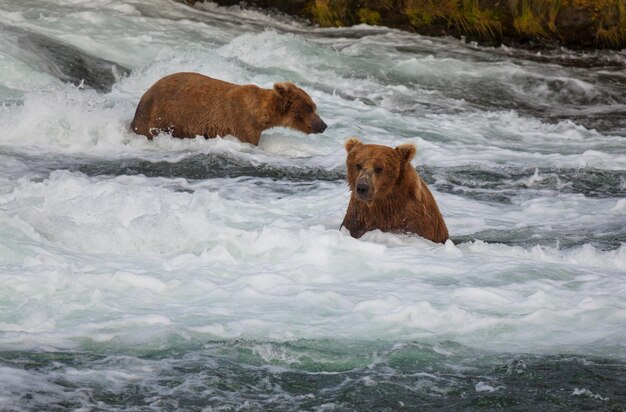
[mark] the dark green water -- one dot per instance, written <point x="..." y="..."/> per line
<point x="313" y="375"/>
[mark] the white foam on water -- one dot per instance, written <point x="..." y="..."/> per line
<point x="588" y="393"/>
<point x="132" y="260"/>
<point x="485" y="387"/>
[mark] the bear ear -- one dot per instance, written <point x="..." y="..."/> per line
<point x="352" y="143"/>
<point x="282" y="88"/>
<point x="406" y="151"/>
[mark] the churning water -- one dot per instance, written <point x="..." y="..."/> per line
<point x="210" y="274"/>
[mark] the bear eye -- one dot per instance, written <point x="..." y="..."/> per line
<point x="359" y="167"/>
<point x="378" y="169"/>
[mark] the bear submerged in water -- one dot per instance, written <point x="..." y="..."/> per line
<point x="388" y="194"/>
<point x="191" y="104"/>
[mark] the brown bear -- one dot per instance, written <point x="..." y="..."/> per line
<point x="191" y="104"/>
<point x="388" y="194"/>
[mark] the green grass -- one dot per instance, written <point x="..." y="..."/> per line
<point x="612" y="24"/>
<point x="369" y="16"/>
<point x="466" y="16"/>
<point x="330" y="13"/>
<point x="528" y="19"/>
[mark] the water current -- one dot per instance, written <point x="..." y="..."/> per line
<point x="213" y="275"/>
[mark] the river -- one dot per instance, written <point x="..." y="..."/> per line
<point x="212" y="275"/>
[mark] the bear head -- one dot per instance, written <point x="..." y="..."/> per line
<point x="296" y="109"/>
<point x="374" y="170"/>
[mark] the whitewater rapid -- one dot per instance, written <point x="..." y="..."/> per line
<point x="116" y="249"/>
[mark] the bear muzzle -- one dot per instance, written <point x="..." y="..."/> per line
<point x="363" y="189"/>
<point x="318" y="125"/>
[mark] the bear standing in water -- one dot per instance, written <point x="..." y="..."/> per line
<point x="191" y="104"/>
<point x="388" y="194"/>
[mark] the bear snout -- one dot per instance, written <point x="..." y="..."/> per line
<point x="364" y="189"/>
<point x="318" y="125"/>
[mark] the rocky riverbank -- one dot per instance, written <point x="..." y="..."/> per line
<point x="532" y="23"/>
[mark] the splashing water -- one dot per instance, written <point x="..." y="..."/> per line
<point x="189" y="274"/>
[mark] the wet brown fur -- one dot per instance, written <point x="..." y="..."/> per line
<point x="401" y="201"/>
<point x="191" y="104"/>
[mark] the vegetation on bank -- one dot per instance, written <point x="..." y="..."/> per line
<point x="573" y="23"/>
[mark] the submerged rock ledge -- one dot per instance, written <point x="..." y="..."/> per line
<point x="577" y="24"/>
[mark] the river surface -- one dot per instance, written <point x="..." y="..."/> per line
<point x="199" y="274"/>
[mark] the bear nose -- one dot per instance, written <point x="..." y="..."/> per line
<point x="323" y="126"/>
<point x="319" y="126"/>
<point x="362" y="188"/>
